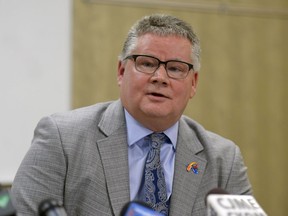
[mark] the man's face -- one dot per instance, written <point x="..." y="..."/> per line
<point x="155" y="100"/>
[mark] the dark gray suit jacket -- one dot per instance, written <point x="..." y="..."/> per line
<point x="80" y="157"/>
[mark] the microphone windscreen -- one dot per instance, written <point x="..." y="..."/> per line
<point x="136" y="208"/>
<point x="220" y="203"/>
<point x="6" y="206"/>
<point x="51" y="207"/>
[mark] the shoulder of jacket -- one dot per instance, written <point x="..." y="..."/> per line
<point x="208" y="139"/>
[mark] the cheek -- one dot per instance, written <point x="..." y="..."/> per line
<point x="183" y="95"/>
<point x="136" y="80"/>
<point x="130" y="83"/>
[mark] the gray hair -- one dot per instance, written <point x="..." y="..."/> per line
<point x="162" y="25"/>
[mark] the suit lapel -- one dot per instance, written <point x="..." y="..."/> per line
<point x="186" y="184"/>
<point x="114" y="155"/>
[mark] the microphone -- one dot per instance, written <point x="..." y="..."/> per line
<point x="221" y="203"/>
<point x="215" y="191"/>
<point x="136" y="208"/>
<point x="6" y="206"/>
<point x="51" y="207"/>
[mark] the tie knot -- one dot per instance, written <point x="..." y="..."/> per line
<point x="157" y="139"/>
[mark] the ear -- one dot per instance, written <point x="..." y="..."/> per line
<point x="120" y="72"/>
<point x="194" y="83"/>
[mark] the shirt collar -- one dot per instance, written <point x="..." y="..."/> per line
<point x="136" y="131"/>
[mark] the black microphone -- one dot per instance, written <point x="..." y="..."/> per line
<point x="6" y="206"/>
<point x="221" y="203"/>
<point x="51" y="207"/>
<point x="136" y="208"/>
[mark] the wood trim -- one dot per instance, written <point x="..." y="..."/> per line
<point x="220" y="8"/>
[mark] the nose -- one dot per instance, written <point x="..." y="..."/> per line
<point x="160" y="75"/>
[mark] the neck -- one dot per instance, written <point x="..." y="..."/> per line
<point x="156" y="124"/>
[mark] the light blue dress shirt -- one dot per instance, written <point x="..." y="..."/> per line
<point x="137" y="152"/>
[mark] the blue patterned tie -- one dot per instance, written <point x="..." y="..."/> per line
<point x="154" y="180"/>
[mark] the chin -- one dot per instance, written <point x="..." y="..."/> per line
<point x="156" y="112"/>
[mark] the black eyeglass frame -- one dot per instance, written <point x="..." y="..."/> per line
<point x="134" y="57"/>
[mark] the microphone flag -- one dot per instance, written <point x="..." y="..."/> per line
<point x="233" y="205"/>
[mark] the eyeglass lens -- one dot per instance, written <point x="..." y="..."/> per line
<point x="175" y="69"/>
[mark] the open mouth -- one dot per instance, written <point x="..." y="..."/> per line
<point x="157" y="95"/>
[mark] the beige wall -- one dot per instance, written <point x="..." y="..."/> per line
<point x="243" y="80"/>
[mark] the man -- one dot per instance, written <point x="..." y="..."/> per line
<point x="93" y="159"/>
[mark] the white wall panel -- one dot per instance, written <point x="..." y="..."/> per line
<point x="35" y="50"/>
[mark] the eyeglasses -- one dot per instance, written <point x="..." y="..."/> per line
<point x="148" y="64"/>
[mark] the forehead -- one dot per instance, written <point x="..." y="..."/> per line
<point x="164" y="47"/>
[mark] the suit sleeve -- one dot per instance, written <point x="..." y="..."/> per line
<point x="238" y="182"/>
<point x="41" y="174"/>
